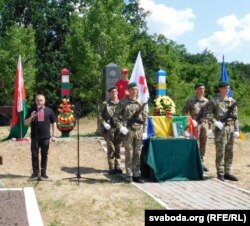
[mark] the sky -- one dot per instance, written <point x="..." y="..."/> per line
<point x="220" y="26"/>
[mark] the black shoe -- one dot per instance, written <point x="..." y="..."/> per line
<point x="205" y="169"/>
<point x="118" y="170"/>
<point x="221" y="177"/>
<point x="230" y="177"/>
<point x="33" y="175"/>
<point x="112" y="171"/>
<point x="45" y="176"/>
<point x="138" y="180"/>
<point x="129" y="179"/>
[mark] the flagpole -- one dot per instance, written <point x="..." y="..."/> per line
<point x="21" y="129"/>
<point x="21" y="138"/>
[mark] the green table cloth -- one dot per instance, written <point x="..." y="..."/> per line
<point x="174" y="159"/>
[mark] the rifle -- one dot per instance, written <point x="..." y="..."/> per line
<point x="202" y="112"/>
<point x="229" y="113"/>
<point x="134" y="118"/>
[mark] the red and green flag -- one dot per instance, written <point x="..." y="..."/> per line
<point x="17" y="128"/>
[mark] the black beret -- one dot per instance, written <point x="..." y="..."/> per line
<point x="132" y="84"/>
<point x="113" y="87"/>
<point x="223" y="84"/>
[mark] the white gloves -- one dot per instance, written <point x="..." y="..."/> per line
<point x="144" y="136"/>
<point x="106" y="125"/>
<point x="237" y="134"/>
<point x="124" y="130"/>
<point x="218" y="124"/>
<point x="186" y="134"/>
<point x="195" y="123"/>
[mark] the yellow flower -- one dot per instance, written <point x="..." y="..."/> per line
<point x="164" y="103"/>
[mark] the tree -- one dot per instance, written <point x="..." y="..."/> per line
<point x="99" y="35"/>
<point x="17" y="40"/>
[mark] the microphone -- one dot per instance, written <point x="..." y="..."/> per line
<point x="39" y="108"/>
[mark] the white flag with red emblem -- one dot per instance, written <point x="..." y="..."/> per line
<point x="139" y="77"/>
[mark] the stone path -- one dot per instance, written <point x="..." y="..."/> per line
<point x="203" y="195"/>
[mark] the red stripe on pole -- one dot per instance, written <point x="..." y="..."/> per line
<point x="65" y="92"/>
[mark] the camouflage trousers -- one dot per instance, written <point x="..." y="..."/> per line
<point x="202" y="132"/>
<point x="113" y="140"/>
<point x="224" y="141"/>
<point x="133" y="145"/>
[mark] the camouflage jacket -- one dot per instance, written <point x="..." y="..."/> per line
<point x="194" y="105"/>
<point x="107" y="112"/>
<point x="219" y="107"/>
<point x="125" y="110"/>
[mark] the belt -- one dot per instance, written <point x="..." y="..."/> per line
<point x="203" y="120"/>
<point x="135" y="127"/>
<point x="229" y="123"/>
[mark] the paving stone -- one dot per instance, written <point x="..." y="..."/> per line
<point x="205" y="194"/>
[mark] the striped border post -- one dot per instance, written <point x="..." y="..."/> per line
<point x="161" y="83"/>
<point x="65" y="86"/>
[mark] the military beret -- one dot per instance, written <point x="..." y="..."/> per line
<point x="124" y="71"/>
<point x="198" y="85"/>
<point x="113" y="87"/>
<point x="223" y="84"/>
<point x="132" y="84"/>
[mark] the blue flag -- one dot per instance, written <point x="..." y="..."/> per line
<point x="224" y="76"/>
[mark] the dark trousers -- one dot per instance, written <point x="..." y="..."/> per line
<point x="37" y="144"/>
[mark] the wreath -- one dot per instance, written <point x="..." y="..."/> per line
<point x="164" y="105"/>
<point x="65" y="119"/>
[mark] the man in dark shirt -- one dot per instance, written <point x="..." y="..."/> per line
<point x="43" y="122"/>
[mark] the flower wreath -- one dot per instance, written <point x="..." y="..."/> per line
<point x="164" y="105"/>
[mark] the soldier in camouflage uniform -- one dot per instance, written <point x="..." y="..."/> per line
<point x="110" y="131"/>
<point x="199" y="105"/>
<point x="226" y="128"/>
<point x="132" y="139"/>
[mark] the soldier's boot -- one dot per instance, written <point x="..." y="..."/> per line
<point x="129" y="179"/>
<point x="205" y="168"/>
<point x="112" y="171"/>
<point x="231" y="177"/>
<point x="111" y="166"/>
<point x="118" y="170"/>
<point x="138" y="180"/>
<point x="117" y="166"/>
<point x="220" y="177"/>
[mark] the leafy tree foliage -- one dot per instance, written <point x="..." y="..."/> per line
<point x="99" y="35"/>
<point x="86" y="35"/>
<point x="17" y="40"/>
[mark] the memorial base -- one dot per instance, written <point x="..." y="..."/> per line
<point x="65" y="134"/>
<point x="22" y="139"/>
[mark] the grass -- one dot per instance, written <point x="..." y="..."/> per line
<point x="99" y="199"/>
<point x="245" y="124"/>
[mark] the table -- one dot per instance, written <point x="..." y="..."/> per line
<point x="172" y="159"/>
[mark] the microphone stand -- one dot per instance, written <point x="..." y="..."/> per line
<point x="78" y="111"/>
